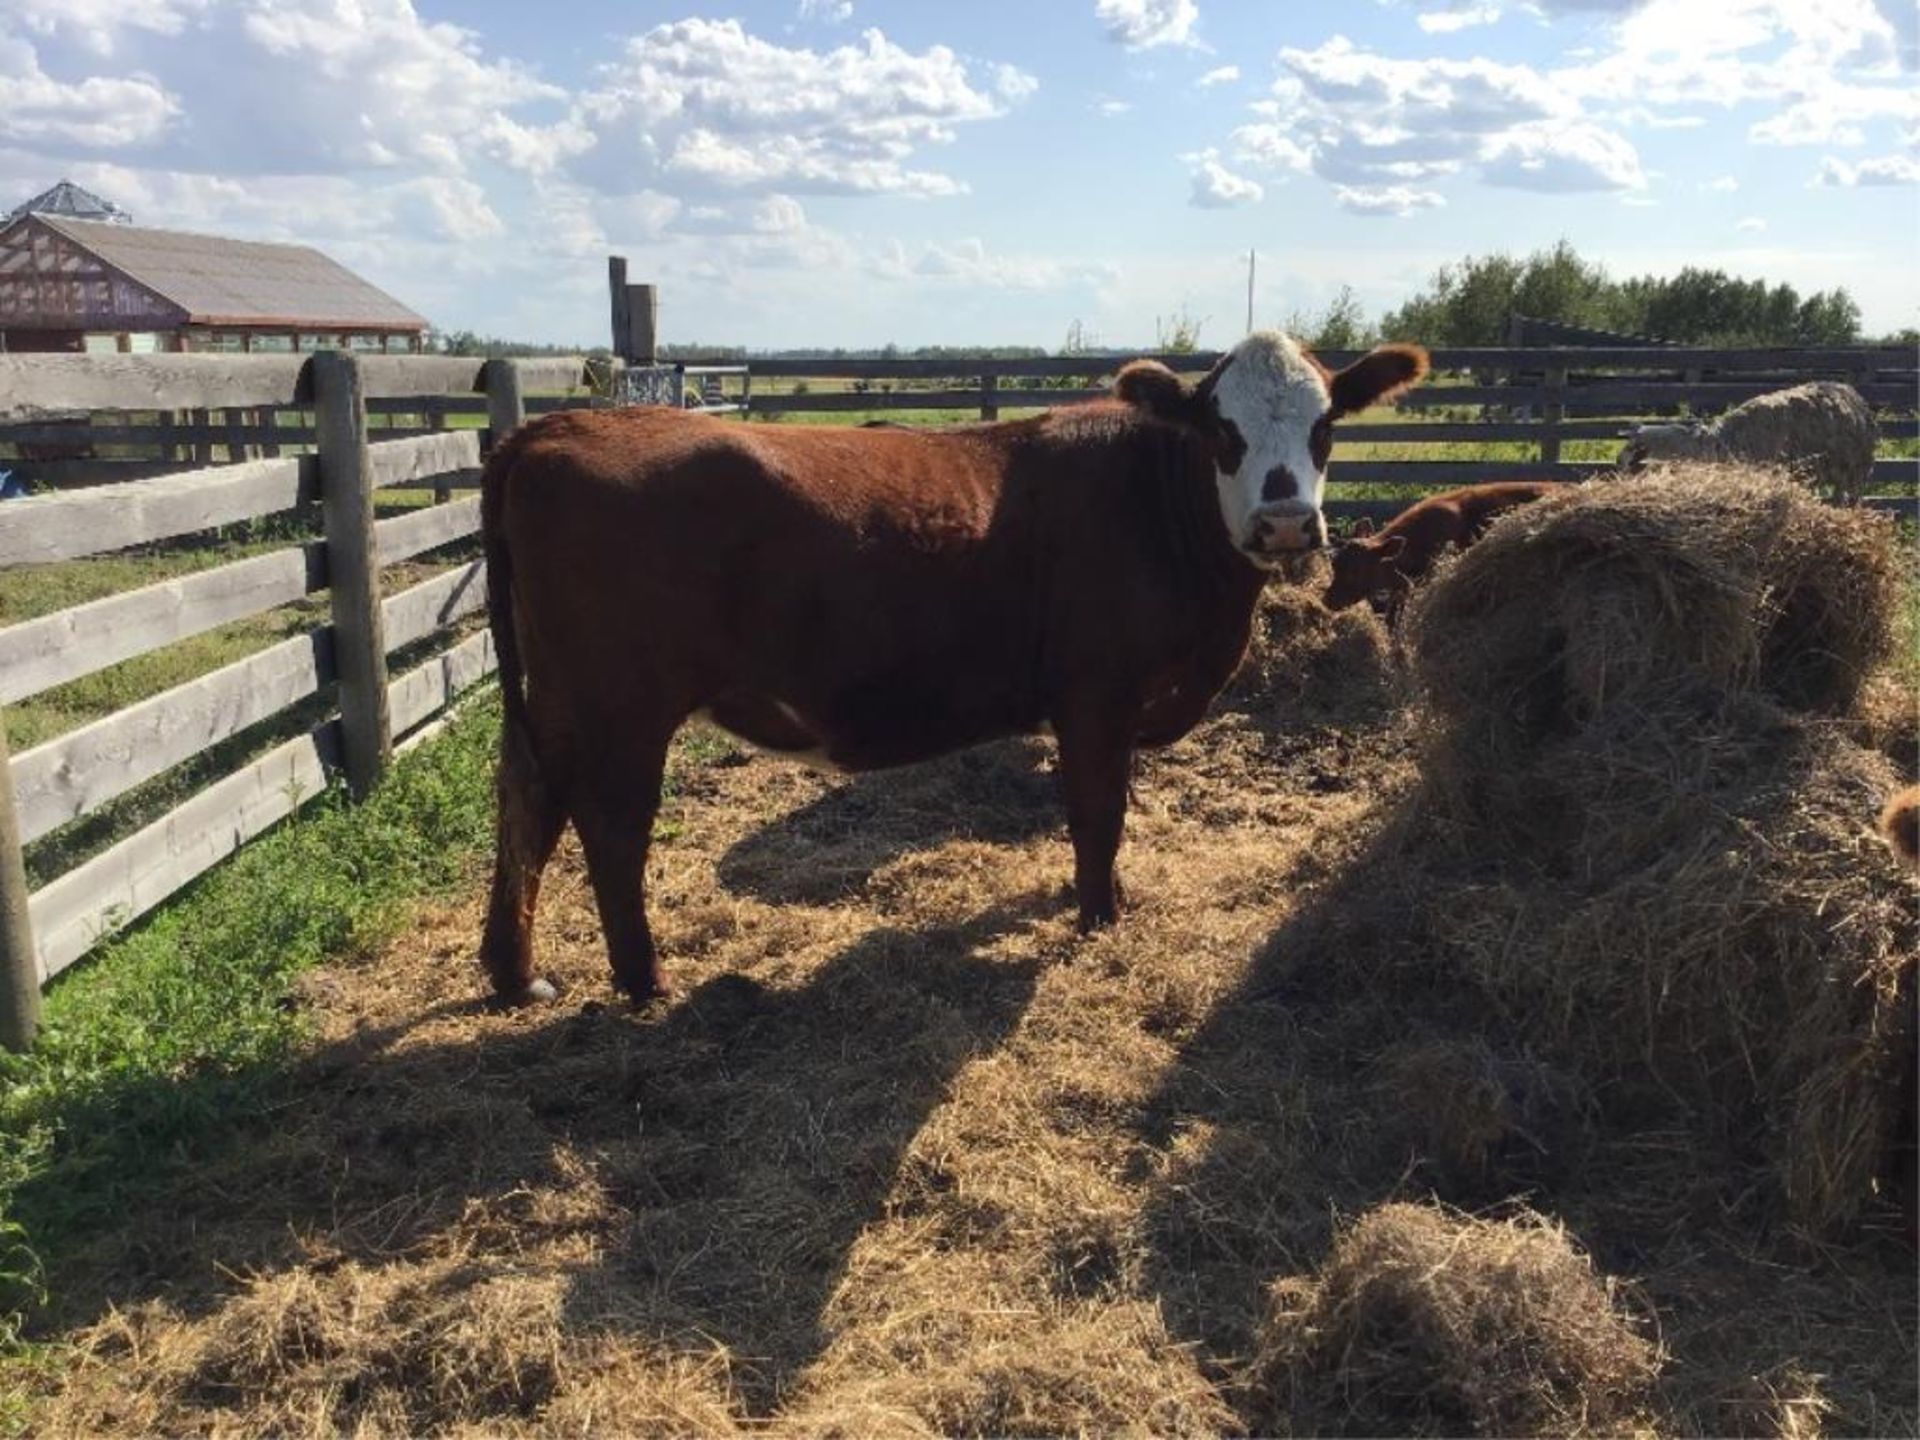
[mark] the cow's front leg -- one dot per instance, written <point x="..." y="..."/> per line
<point x="615" y="820"/>
<point x="1096" y="757"/>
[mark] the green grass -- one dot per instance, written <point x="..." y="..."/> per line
<point x="170" y="1039"/>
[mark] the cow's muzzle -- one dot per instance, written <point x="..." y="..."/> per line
<point x="1289" y="528"/>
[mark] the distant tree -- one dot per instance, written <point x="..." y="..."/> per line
<point x="1080" y="340"/>
<point x="1342" y="325"/>
<point x="1469" y="302"/>
<point x="1178" y="333"/>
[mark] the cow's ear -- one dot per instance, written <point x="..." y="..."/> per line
<point x="1390" y="548"/>
<point x="1378" y="375"/>
<point x="1150" y="386"/>
<point x="1362" y="527"/>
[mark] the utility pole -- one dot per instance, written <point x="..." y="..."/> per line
<point x="1250" y="259"/>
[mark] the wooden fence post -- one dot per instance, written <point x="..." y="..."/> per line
<point x="1552" y="413"/>
<point x="353" y="567"/>
<point x="19" y="966"/>
<point x="989" y="410"/>
<point x="506" y="408"/>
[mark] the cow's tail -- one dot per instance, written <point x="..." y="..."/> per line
<point x="517" y="727"/>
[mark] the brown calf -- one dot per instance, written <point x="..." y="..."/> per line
<point x="874" y="597"/>
<point x="1403" y="552"/>
<point x="1900" y="824"/>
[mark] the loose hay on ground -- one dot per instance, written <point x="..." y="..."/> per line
<point x="904" y="1156"/>
<point x="1426" y="1322"/>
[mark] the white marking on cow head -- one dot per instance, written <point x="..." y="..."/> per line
<point x="1269" y="407"/>
<point x="1271" y="404"/>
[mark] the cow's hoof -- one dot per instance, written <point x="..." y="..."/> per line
<point x="535" y="992"/>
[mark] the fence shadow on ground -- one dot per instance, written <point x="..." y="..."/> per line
<point x="718" y="1159"/>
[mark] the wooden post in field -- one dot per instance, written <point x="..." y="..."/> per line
<point x="989" y="407"/>
<point x="19" y="966"/>
<point x="353" y="567"/>
<point x="617" y="285"/>
<point x="643" y="324"/>
<point x="1552" y="413"/>
<point x="506" y="407"/>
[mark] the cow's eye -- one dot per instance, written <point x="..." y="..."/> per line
<point x="1320" y="442"/>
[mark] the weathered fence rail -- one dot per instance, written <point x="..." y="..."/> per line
<point x="1543" y="397"/>
<point x="341" y="666"/>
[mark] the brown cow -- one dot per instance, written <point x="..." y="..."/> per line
<point x="1403" y="552"/>
<point x="874" y="597"/>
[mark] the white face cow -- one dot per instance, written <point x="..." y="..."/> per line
<point x="1269" y="407"/>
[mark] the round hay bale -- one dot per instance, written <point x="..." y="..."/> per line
<point x="1671" y="590"/>
<point x="1426" y="1321"/>
<point x="1751" y="981"/>
<point x="1637" y="741"/>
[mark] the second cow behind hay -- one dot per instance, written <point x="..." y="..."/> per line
<point x="868" y="598"/>
<point x="1391" y="562"/>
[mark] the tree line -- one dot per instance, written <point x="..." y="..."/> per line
<point x="1471" y="301"/>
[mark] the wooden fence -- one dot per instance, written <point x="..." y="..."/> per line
<point x="138" y="436"/>
<point x="1541" y="397"/>
<point x="346" y="660"/>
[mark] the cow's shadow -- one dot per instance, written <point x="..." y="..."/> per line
<point x="999" y="793"/>
<point x="727" y="1152"/>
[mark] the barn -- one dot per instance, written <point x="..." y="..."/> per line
<point x="77" y="276"/>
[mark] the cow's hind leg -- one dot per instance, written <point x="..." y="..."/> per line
<point x="613" y="812"/>
<point x="530" y="818"/>
<point x="1096" y="758"/>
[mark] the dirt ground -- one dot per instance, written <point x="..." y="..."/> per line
<point x="903" y="1155"/>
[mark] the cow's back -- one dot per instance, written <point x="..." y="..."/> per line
<point x="870" y="583"/>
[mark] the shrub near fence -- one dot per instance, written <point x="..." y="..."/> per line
<point x="77" y="773"/>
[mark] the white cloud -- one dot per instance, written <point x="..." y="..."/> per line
<point x="1373" y="123"/>
<point x="1111" y="108"/>
<point x="1725" y="184"/>
<point x="833" y="12"/>
<point x="703" y="104"/>
<point x="98" y="112"/>
<point x="1562" y="157"/>
<point x="1880" y="170"/>
<point x="1446" y="22"/>
<point x="1750" y="224"/>
<point x="1145" y="24"/>
<point x="969" y="264"/>
<point x="1386" y="199"/>
<point x="1217" y="188"/>
<point x="1013" y="83"/>
<point x="1270" y="147"/>
<point x="97" y="24"/>
<point x="1223" y="75"/>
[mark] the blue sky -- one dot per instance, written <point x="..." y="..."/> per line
<point x="853" y="172"/>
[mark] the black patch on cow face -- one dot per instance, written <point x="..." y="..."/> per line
<point x="1279" y="485"/>
<point x="1320" y="443"/>
<point x="1230" y="446"/>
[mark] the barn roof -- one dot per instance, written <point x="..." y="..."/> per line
<point x="219" y="281"/>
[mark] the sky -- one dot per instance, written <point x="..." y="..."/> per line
<point x="858" y="172"/>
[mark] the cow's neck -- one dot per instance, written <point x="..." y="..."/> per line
<point x="1179" y="480"/>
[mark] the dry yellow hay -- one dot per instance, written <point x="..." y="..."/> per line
<point x="1428" y="1322"/>
<point x="905" y="1155"/>
<point x="1672" y="888"/>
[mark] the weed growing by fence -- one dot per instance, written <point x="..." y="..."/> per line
<point x="168" y="1043"/>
